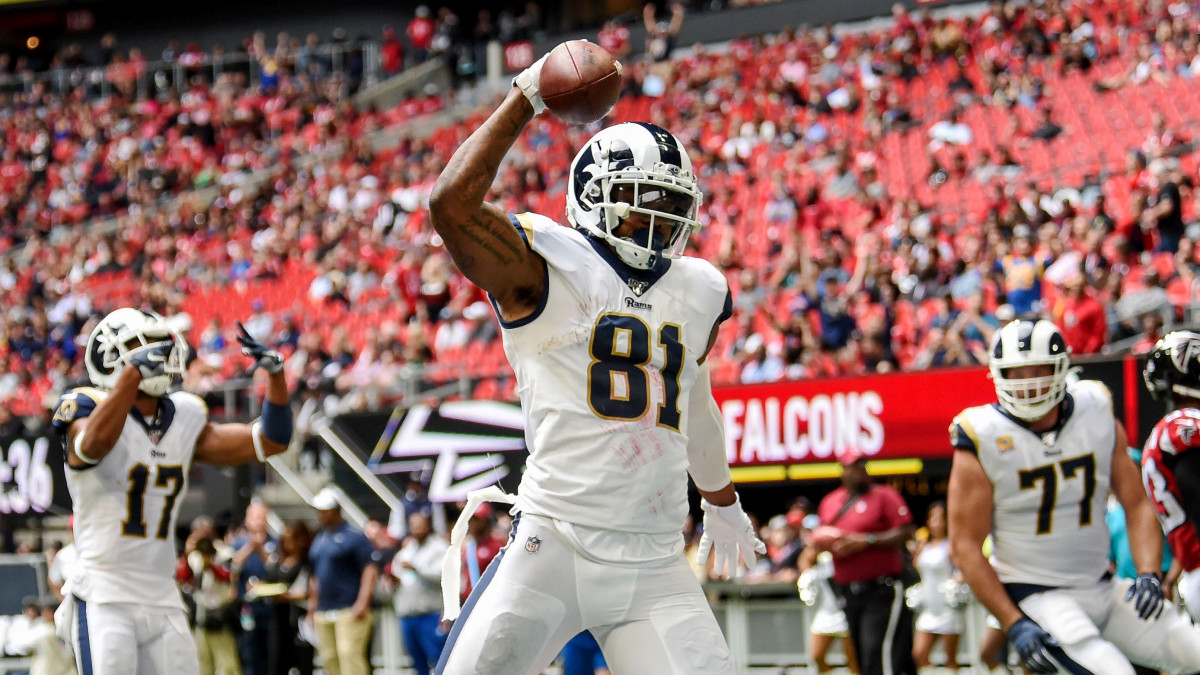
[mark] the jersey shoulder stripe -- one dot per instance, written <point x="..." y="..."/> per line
<point x="73" y="405"/>
<point x="962" y="434"/>
<point x="524" y="224"/>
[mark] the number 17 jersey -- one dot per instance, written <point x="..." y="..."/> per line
<point x="604" y="366"/>
<point x="126" y="505"/>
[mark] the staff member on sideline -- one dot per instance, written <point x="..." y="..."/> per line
<point x="345" y="568"/>
<point x="865" y="526"/>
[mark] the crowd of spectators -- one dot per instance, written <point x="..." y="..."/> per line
<point x="879" y="200"/>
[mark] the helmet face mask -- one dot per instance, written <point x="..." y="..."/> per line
<point x="1173" y="368"/>
<point x="122" y="333"/>
<point x="635" y="169"/>
<point x="1029" y="343"/>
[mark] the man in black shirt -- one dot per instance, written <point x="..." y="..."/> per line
<point x="1166" y="212"/>
<point x="1047" y="129"/>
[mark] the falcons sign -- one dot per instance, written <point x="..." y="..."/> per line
<point x="456" y="447"/>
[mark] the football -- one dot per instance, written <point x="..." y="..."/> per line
<point x="825" y="536"/>
<point x="580" y="81"/>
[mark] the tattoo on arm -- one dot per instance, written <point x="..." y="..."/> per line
<point x="479" y="237"/>
<point x="487" y="234"/>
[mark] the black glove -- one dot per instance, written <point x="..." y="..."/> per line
<point x="1032" y="643"/>
<point x="151" y="359"/>
<point x="1147" y="595"/>
<point x="264" y="357"/>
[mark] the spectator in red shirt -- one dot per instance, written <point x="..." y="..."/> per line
<point x="614" y="37"/>
<point x="1080" y="317"/>
<point x="391" y="52"/>
<point x="480" y="546"/>
<point x="420" y="33"/>
<point x="865" y="526"/>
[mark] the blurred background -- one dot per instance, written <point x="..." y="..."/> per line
<point x="885" y="185"/>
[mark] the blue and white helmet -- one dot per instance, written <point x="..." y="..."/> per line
<point x="1026" y="342"/>
<point x="629" y="168"/>
<point x="124" y="332"/>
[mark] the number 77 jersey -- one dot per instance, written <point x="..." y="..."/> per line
<point x="604" y="366"/>
<point x="1050" y="489"/>
<point x="126" y="505"/>
<point x="1174" y="434"/>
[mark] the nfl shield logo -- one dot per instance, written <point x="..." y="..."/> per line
<point x="532" y="544"/>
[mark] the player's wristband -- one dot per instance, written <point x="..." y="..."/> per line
<point x="277" y="422"/>
<point x="256" y="436"/>
<point x="79" y="452"/>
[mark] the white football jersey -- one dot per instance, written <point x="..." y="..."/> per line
<point x="1049" y="490"/>
<point x="125" y="507"/>
<point x="604" y="367"/>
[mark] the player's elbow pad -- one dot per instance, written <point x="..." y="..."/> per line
<point x="706" y="437"/>
<point x="277" y="423"/>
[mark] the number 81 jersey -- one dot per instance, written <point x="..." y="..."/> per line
<point x="604" y="366"/>
<point x="126" y="505"/>
<point x="1174" y="434"/>
<point x="1050" y="490"/>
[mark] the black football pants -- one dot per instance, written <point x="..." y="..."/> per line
<point x="881" y="626"/>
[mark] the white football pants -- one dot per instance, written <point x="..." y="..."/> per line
<point x="127" y="639"/>
<point x="1099" y="632"/>
<point x="1189" y="590"/>
<point x="539" y="592"/>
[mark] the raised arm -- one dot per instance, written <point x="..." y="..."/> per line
<point x="229" y="444"/>
<point x="484" y="244"/>
<point x="90" y="439"/>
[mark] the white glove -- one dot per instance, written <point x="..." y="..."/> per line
<point x="729" y="530"/>
<point x="528" y="81"/>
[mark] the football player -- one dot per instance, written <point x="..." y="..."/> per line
<point x="129" y="444"/>
<point x="1170" y="463"/>
<point x="607" y="325"/>
<point x="1035" y="469"/>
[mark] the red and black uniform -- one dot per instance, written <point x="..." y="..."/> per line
<point x="1171" y="474"/>
<point x="868" y="583"/>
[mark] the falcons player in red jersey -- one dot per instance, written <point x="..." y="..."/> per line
<point x="1171" y="459"/>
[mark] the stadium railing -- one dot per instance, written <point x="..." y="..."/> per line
<point x="767" y="625"/>
<point x="161" y="76"/>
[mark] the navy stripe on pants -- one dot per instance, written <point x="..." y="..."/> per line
<point x="472" y="599"/>
<point x="85" y="646"/>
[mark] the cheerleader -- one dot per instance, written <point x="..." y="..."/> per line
<point x="828" y="621"/>
<point x="936" y="601"/>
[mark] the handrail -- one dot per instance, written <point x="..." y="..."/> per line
<point x="325" y="431"/>
<point x="352" y="511"/>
